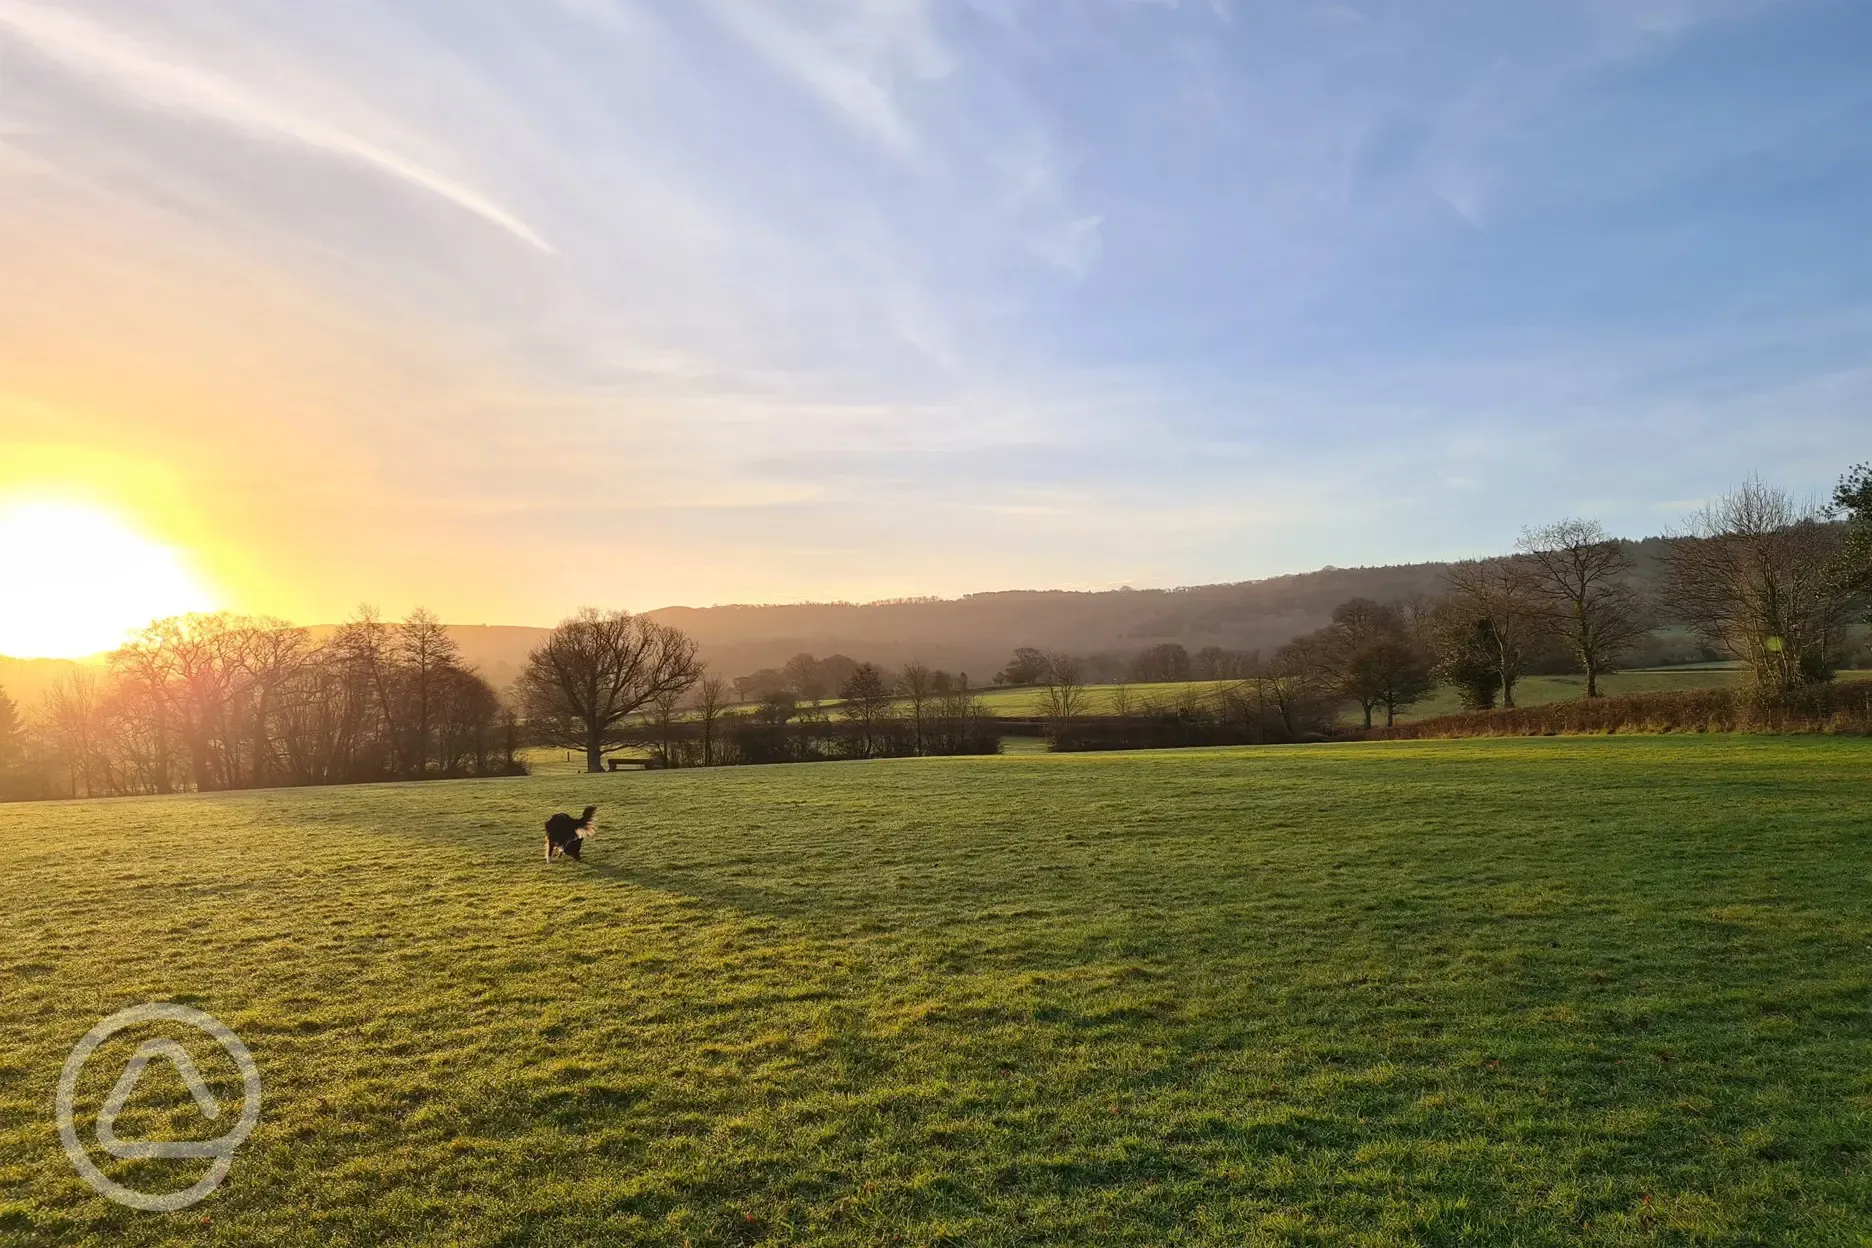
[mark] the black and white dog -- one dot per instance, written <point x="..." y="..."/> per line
<point x="566" y="835"/>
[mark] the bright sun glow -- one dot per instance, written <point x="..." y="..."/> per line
<point x="74" y="579"/>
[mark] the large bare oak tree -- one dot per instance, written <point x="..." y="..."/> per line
<point x="595" y="671"/>
<point x="1585" y="577"/>
<point x="1758" y="573"/>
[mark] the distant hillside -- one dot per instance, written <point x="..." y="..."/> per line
<point x="26" y="680"/>
<point x="497" y="650"/>
<point x="977" y="633"/>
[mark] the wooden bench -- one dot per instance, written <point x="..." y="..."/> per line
<point x="628" y="764"/>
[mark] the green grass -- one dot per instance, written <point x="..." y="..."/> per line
<point x="1542" y="690"/>
<point x="547" y="760"/>
<point x="1022" y="703"/>
<point x="1606" y="991"/>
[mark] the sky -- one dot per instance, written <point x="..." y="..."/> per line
<point x="507" y="307"/>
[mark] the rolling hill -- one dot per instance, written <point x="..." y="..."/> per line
<point x="977" y="632"/>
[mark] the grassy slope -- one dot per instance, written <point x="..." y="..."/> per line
<point x="1553" y="991"/>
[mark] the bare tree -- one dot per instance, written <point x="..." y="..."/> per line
<point x="1287" y="694"/>
<point x="1758" y="575"/>
<point x="1211" y="663"/>
<point x="663" y="716"/>
<point x="962" y="724"/>
<point x="276" y="656"/>
<point x="1419" y="615"/>
<point x="367" y="651"/>
<point x="428" y="657"/>
<point x="188" y="668"/>
<point x="1585" y="577"/>
<point x="1500" y="598"/>
<point x="72" y="721"/>
<point x="250" y="701"/>
<point x="1397" y="673"/>
<point x="918" y="685"/>
<point x="597" y="669"/>
<point x="134" y="755"/>
<point x="868" y="699"/>
<point x="1366" y="655"/>
<point x="147" y="668"/>
<point x="711" y="701"/>
<point x="1062" y="691"/>
<point x="467" y="714"/>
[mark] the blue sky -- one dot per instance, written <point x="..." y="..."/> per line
<point x="509" y="306"/>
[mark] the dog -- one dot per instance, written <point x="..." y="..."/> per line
<point x="566" y="835"/>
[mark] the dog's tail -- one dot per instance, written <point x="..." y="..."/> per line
<point x="585" y="821"/>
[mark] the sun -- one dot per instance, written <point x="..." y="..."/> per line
<point x="75" y="579"/>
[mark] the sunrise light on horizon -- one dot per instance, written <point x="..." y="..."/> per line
<point x="525" y="306"/>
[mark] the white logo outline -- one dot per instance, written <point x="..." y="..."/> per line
<point x="220" y="1149"/>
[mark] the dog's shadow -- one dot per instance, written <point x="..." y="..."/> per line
<point x="700" y="887"/>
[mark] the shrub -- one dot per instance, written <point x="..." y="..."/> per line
<point x="1832" y="708"/>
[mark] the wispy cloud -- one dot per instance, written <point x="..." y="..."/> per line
<point x="98" y="52"/>
<point x="1196" y="290"/>
<point x="848" y="55"/>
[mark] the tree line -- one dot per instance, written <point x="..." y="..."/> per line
<point x="222" y="701"/>
<point x="1774" y="584"/>
<point x="603" y="682"/>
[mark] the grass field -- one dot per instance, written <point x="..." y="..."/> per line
<point x="1553" y="991"/>
<point x="1541" y="690"/>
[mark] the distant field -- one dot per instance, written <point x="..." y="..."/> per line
<point x="1023" y="703"/>
<point x="1530" y="691"/>
<point x="1538" y="992"/>
<point x="1540" y="690"/>
<point x="547" y="761"/>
